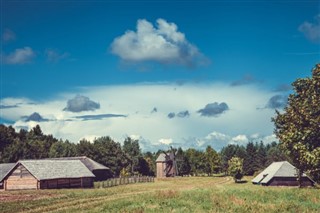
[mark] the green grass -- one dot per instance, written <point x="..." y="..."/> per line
<point x="196" y="194"/>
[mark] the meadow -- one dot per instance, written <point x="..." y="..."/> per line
<point x="187" y="194"/>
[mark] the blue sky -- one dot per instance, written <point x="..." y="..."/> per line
<point x="114" y="62"/>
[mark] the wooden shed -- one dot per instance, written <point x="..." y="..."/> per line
<point x="100" y="171"/>
<point x="48" y="174"/>
<point x="281" y="174"/>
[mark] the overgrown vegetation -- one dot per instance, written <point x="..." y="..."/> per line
<point x="188" y="194"/>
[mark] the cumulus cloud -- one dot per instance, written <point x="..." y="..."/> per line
<point x="35" y="117"/>
<point x="162" y="43"/>
<point x="183" y="114"/>
<point x="55" y="56"/>
<point x="166" y="141"/>
<point x="19" y="56"/>
<point x="311" y="30"/>
<point x="213" y="109"/>
<point x="171" y="115"/>
<point x="240" y="140"/>
<point x="99" y="116"/>
<point x="154" y="110"/>
<point x="8" y="35"/>
<point x="81" y="103"/>
<point x="277" y="102"/>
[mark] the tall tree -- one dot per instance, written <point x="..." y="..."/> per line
<point x="250" y="162"/>
<point x="132" y="149"/>
<point x="235" y="168"/>
<point x="212" y="161"/>
<point x="298" y="126"/>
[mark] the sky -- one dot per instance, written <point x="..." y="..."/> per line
<point x="183" y="73"/>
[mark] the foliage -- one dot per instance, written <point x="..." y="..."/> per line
<point x="235" y="168"/>
<point x="298" y="126"/>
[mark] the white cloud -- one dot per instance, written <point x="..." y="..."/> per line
<point x="166" y="141"/>
<point x="240" y="139"/>
<point x="242" y="120"/>
<point x="311" y="30"/>
<point x="162" y="43"/>
<point x="19" y="56"/>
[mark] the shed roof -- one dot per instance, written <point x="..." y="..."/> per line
<point x="88" y="162"/>
<point x="4" y="169"/>
<point x="276" y="169"/>
<point x="53" y="169"/>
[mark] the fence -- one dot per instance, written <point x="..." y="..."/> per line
<point x="123" y="181"/>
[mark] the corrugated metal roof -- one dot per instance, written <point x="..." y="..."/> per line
<point x="276" y="169"/>
<point x="53" y="169"/>
<point x="5" y="168"/>
<point x="88" y="162"/>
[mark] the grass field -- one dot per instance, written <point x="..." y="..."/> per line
<point x="202" y="194"/>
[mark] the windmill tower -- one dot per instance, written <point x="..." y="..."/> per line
<point x="167" y="164"/>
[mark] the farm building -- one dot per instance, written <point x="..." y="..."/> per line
<point x="4" y="169"/>
<point x="48" y="174"/>
<point x="281" y="174"/>
<point x="100" y="171"/>
<point x="166" y="165"/>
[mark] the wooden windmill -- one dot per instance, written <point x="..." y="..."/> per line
<point x="167" y="164"/>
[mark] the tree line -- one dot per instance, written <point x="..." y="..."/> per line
<point x="128" y="159"/>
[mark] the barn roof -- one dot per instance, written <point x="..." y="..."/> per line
<point x="276" y="169"/>
<point x="4" y="169"/>
<point x="53" y="169"/>
<point x="88" y="162"/>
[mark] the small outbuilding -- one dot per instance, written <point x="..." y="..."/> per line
<point x="281" y="174"/>
<point x="100" y="171"/>
<point x="48" y="174"/>
<point x="4" y="169"/>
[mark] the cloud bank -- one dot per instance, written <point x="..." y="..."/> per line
<point x="162" y="43"/>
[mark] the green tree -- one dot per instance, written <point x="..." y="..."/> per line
<point x="250" y="161"/>
<point x="298" y="126"/>
<point x="235" y="168"/>
<point x="132" y="149"/>
<point x="212" y="161"/>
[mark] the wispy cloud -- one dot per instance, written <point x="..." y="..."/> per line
<point x="162" y="43"/>
<point x="99" y="116"/>
<point x="8" y="35"/>
<point x="55" y="56"/>
<point x="19" y="56"/>
<point x="311" y="30"/>
<point x="247" y="79"/>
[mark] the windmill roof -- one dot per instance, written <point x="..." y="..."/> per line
<point x="53" y="169"/>
<point x="276" y="169"/>
<point x="161" y="158"/>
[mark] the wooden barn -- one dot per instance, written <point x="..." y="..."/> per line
<point x="100" y="171"/>
<point x="281" y="174"/>
<point x="4" y="169"/>
<point x="48" y="174"/>
<point x="166" y="165"/>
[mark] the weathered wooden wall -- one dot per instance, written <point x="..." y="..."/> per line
<point x="289" y="181"/>
<point x="67" y="183"/>
<point x="160" y="169"/>
<point x="20" y="178"/>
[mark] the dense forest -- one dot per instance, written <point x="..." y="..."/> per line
<point x="128" y="157"/>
